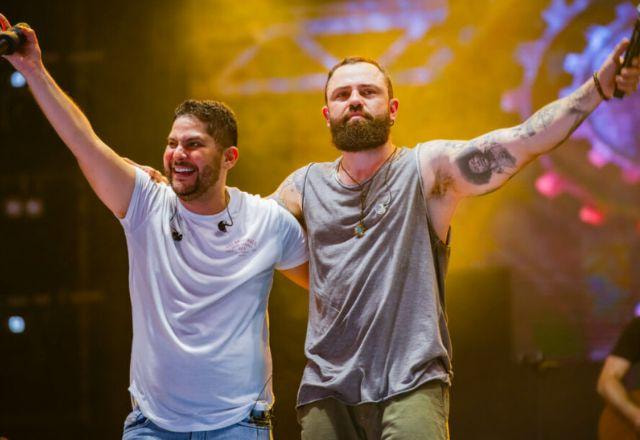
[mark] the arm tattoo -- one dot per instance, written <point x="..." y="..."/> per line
<point x="487" y="155"/>
<point x="480" y="162"/>
<point x="575" y="106"/>
<point x="578" y="110"/>
<point x="278" y="196"/>
<point x="289" y="197"/>
<point x="540" y="121"/>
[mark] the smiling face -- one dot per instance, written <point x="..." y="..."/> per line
<point x="359" y="111"/>
<point x="192" y="160"/>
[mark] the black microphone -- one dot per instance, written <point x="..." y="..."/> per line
<point x="222" y="225"/>
<point x="11" y="39"/>
<point x="633" y="50"/>
<point x="177" y="236"/>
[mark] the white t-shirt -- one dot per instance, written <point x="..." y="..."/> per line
<point x="200" y="355"/>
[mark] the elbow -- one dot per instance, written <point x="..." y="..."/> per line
<point x="603" y="385"/>
<point x="600" y="387"/>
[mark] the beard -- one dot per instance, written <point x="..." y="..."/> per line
<point x="362" y="134"/>
<point x="204" y="180"/>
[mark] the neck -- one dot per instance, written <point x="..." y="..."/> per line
<point x="211" y="202"/>
<point x="363" y="164"/>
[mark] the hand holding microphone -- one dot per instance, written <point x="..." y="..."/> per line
<point x="633" y="51"/>
<point x="19" y="45"/>
<point x="11" y="39"/>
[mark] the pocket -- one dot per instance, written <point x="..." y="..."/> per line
<point x="260" y="426"/>
<point x="135" y="420"/>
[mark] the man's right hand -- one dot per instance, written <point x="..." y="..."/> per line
<point x="28" y="57"/>
<point x="109" y="175"/>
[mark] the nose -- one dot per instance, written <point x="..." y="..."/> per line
<point x="355" y="100"/>
<point x="180" y="152"/>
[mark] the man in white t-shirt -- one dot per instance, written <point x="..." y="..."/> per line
<point x="201" y="259"/>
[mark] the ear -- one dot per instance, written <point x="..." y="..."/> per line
<point x="325" y="113"/>
<point x="230" y="157"/>
<point x="393" y="108"/>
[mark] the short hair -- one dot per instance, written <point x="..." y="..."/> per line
<point x="218" y="116"/>
<point x="355" y="60"/>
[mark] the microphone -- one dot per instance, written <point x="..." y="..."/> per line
<point x="12" y="39"/>
<point x="633" y="50"/>
<point x="222" y="225"/>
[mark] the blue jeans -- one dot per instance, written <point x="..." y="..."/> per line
<point x="138" y="427"/>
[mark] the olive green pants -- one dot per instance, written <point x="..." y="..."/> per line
<point x="421" y="414"/>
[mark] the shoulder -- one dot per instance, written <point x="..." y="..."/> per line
<point x="257" y="206"/>
<point x="145" y="188"/>
<point x="429" y="150"/>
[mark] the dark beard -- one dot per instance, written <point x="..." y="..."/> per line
<point x="362" y="134"/>
<point x="204" y="181"/>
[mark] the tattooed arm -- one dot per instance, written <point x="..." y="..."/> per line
<point x="289" y="194"/>
<point x="455" y="169"/>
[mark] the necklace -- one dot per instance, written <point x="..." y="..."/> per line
<point x="360" y="228"/>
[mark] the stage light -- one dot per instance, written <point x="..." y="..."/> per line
<point x="16" y="324"/>
<point x="13" y="207"/>
<point x="17" y="80"/>
<point x="34" y="207"/>
<point x="591" y="215"/>
<point x="550" y="184"/>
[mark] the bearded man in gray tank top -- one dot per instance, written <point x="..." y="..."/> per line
<point x="377" y="219"/>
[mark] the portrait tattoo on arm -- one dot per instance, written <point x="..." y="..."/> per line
<point x="479" y="163"/>
<point x="486" y="156"/>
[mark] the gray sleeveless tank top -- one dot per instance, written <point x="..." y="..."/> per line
<point x="377" y="325"/>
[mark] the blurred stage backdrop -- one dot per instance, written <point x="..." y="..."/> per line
<point x="544" y="272"/>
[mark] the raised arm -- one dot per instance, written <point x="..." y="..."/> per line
<point x="108" y="174"/>
<point x="611" y="388"/>
<point x="481" y="165"/>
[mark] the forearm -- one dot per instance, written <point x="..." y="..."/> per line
<point x="550" y="126"/>
<point x="109" y="175"/>
<point x="64" y="115"/>
<point x="485" y="163"/>
<point x="613" y="391"/>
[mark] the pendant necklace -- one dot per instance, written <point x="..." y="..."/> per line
<point x="360" y="228"/>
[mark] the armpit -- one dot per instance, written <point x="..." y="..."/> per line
<point x="436" y="167"/>
<point x="442" y="183"/>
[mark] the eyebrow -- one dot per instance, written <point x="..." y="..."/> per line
<point x="189" y="139"/>
<point x="364" y="85"/>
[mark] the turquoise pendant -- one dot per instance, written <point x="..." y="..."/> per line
<point x="359" y="230"/>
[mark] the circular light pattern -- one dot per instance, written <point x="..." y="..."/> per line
<point x="17" y="80"/>
<point x="16" y="324"/>
<point x="34" y="207"/>
<point x="13" y="207"/>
